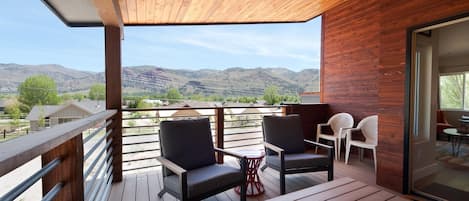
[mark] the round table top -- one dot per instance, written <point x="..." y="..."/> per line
<point x="251" y="154"/>
<point x="454" y="131"/>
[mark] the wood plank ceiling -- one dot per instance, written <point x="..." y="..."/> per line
<point x="154" y="12"/>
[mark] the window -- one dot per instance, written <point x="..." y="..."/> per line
<point x="454" y="92"/>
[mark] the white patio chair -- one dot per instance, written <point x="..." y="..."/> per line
<point x="338" y="123"/>
<point x="369" y="128"/>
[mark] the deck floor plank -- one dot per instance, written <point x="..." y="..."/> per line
<point x="146" y="185"/>
<point x="130" y="187"/>
<point x="142" y="188"/>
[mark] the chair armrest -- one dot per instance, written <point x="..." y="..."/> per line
<point x="273" y="148"/>
<point x="349" y="132"/>
<point x="321" y="125"/>
<point x="318" y="144"/>
<point x="230" y="153"/>
<point x="171" y="166"/>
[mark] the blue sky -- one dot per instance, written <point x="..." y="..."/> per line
<point x="41" y="38"/>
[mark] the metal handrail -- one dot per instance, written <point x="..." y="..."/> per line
<point x="23" y="186"/>
<point x="96" y="145"/>
<point x="96" y="131"/>
<point x="91" y="167"/>
<point x="18" y="151"/>
<point x="53" y="192"/>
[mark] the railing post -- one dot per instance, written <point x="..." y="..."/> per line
<point x="69" y="171"/>
<point x="219" y="131"/>
<point x="284" y="111"/>
<point x="114" y="94"/>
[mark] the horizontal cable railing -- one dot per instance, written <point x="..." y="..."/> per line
<point x="65" y="150"/>
<point x="242" y="129"/>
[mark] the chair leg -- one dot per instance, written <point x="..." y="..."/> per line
<point x="374" y="157"/>
<point x="347" y="152"/>
<point x="161" y="193"/>
<point x="317" y="140"/>
<point x="330" y="173"/>
<point x="339" y="143"/>
<point x="263" y="167"/>
<point x="361" y="153"/>
<point x="282" y="183"/>
<point x="335" y="147"/>
<point x="243" y="192"/>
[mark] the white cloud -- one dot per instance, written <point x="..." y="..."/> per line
<point x="292" y="44"/>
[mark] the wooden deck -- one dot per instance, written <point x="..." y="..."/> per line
<point x="144" y="186"/>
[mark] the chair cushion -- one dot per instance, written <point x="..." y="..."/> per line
<point x="285" y="132"/>
<point x="205" y="179"/>
<point x="188" y="143"/>
<point x="302" y="160"/>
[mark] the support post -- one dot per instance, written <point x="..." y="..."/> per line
<point x="219" y="131"/>
<point x="284" y="111"/>
<point x="69" y="171"/>
<point x="114" y="94"/>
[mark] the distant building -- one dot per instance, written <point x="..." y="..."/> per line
<point x="310" y="97"/>
<point x="58" y="114"/>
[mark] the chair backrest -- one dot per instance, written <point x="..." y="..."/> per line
<point x="440" y="117"/>
<point x="285" y="132"/>
<point x="369" y="129"/>
<point x="340" y="120"/>
<point x="188" y="143"/>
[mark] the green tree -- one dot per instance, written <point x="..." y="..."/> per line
<point x="79" y="97"/>
<point x="451" y="91"/>
<point x="39" y="89"/>
<point x="173" y="95"/>
<point x="42" y="119"/>
<point x="66" y="97"/>
<point x="97" y="92"/>
<point x="15" y="113"/>
<point x="271" y="95"/>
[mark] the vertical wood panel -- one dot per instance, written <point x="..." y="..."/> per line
<point x="363" y="67"/>
<point x="69" y="171"/>
<point x="114" y="94"/>
<point x="220" y="131"/>
<point x="310" y="115"/>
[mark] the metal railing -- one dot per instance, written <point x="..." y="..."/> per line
<point x="76" y="158"/>
<point x="240" y="129"/>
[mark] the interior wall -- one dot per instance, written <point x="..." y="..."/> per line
<point x="364" y="67"/>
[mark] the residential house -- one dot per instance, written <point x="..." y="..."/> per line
<point x="58" y="114"/>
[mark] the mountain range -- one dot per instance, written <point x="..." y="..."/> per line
<point x="152" y="79"/>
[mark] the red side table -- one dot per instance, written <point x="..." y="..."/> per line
<point x="253" y="183"/>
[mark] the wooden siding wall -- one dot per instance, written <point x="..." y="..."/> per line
<point x="311" y="115"/>
<point x="364" y="67"/>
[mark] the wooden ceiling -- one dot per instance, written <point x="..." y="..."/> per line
<point x="154" y="12"/>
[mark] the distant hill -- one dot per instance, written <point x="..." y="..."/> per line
<point x="139" y="79"/>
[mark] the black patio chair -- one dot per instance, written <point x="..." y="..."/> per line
<point x="190" y="171"/>
<point x="285" y="149"/>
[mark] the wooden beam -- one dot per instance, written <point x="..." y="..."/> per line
<point x="110" y="13"/>
<point x="114" y="94"/>
<point x="69" y="171"/>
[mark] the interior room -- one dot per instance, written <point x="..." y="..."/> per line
<point x="440" y="160"/>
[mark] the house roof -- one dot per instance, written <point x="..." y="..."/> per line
<point x="152" y="12"/>
<point x="92" y="107"/>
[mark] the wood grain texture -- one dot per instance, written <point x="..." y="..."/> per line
<point x="364" y="67"/>
<point x="219" y="132"/>
<point x="18" y="151"/>
<point x="114" y="94"/>
<point x="217" y="11"/>
<point x="69" y="171"/>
